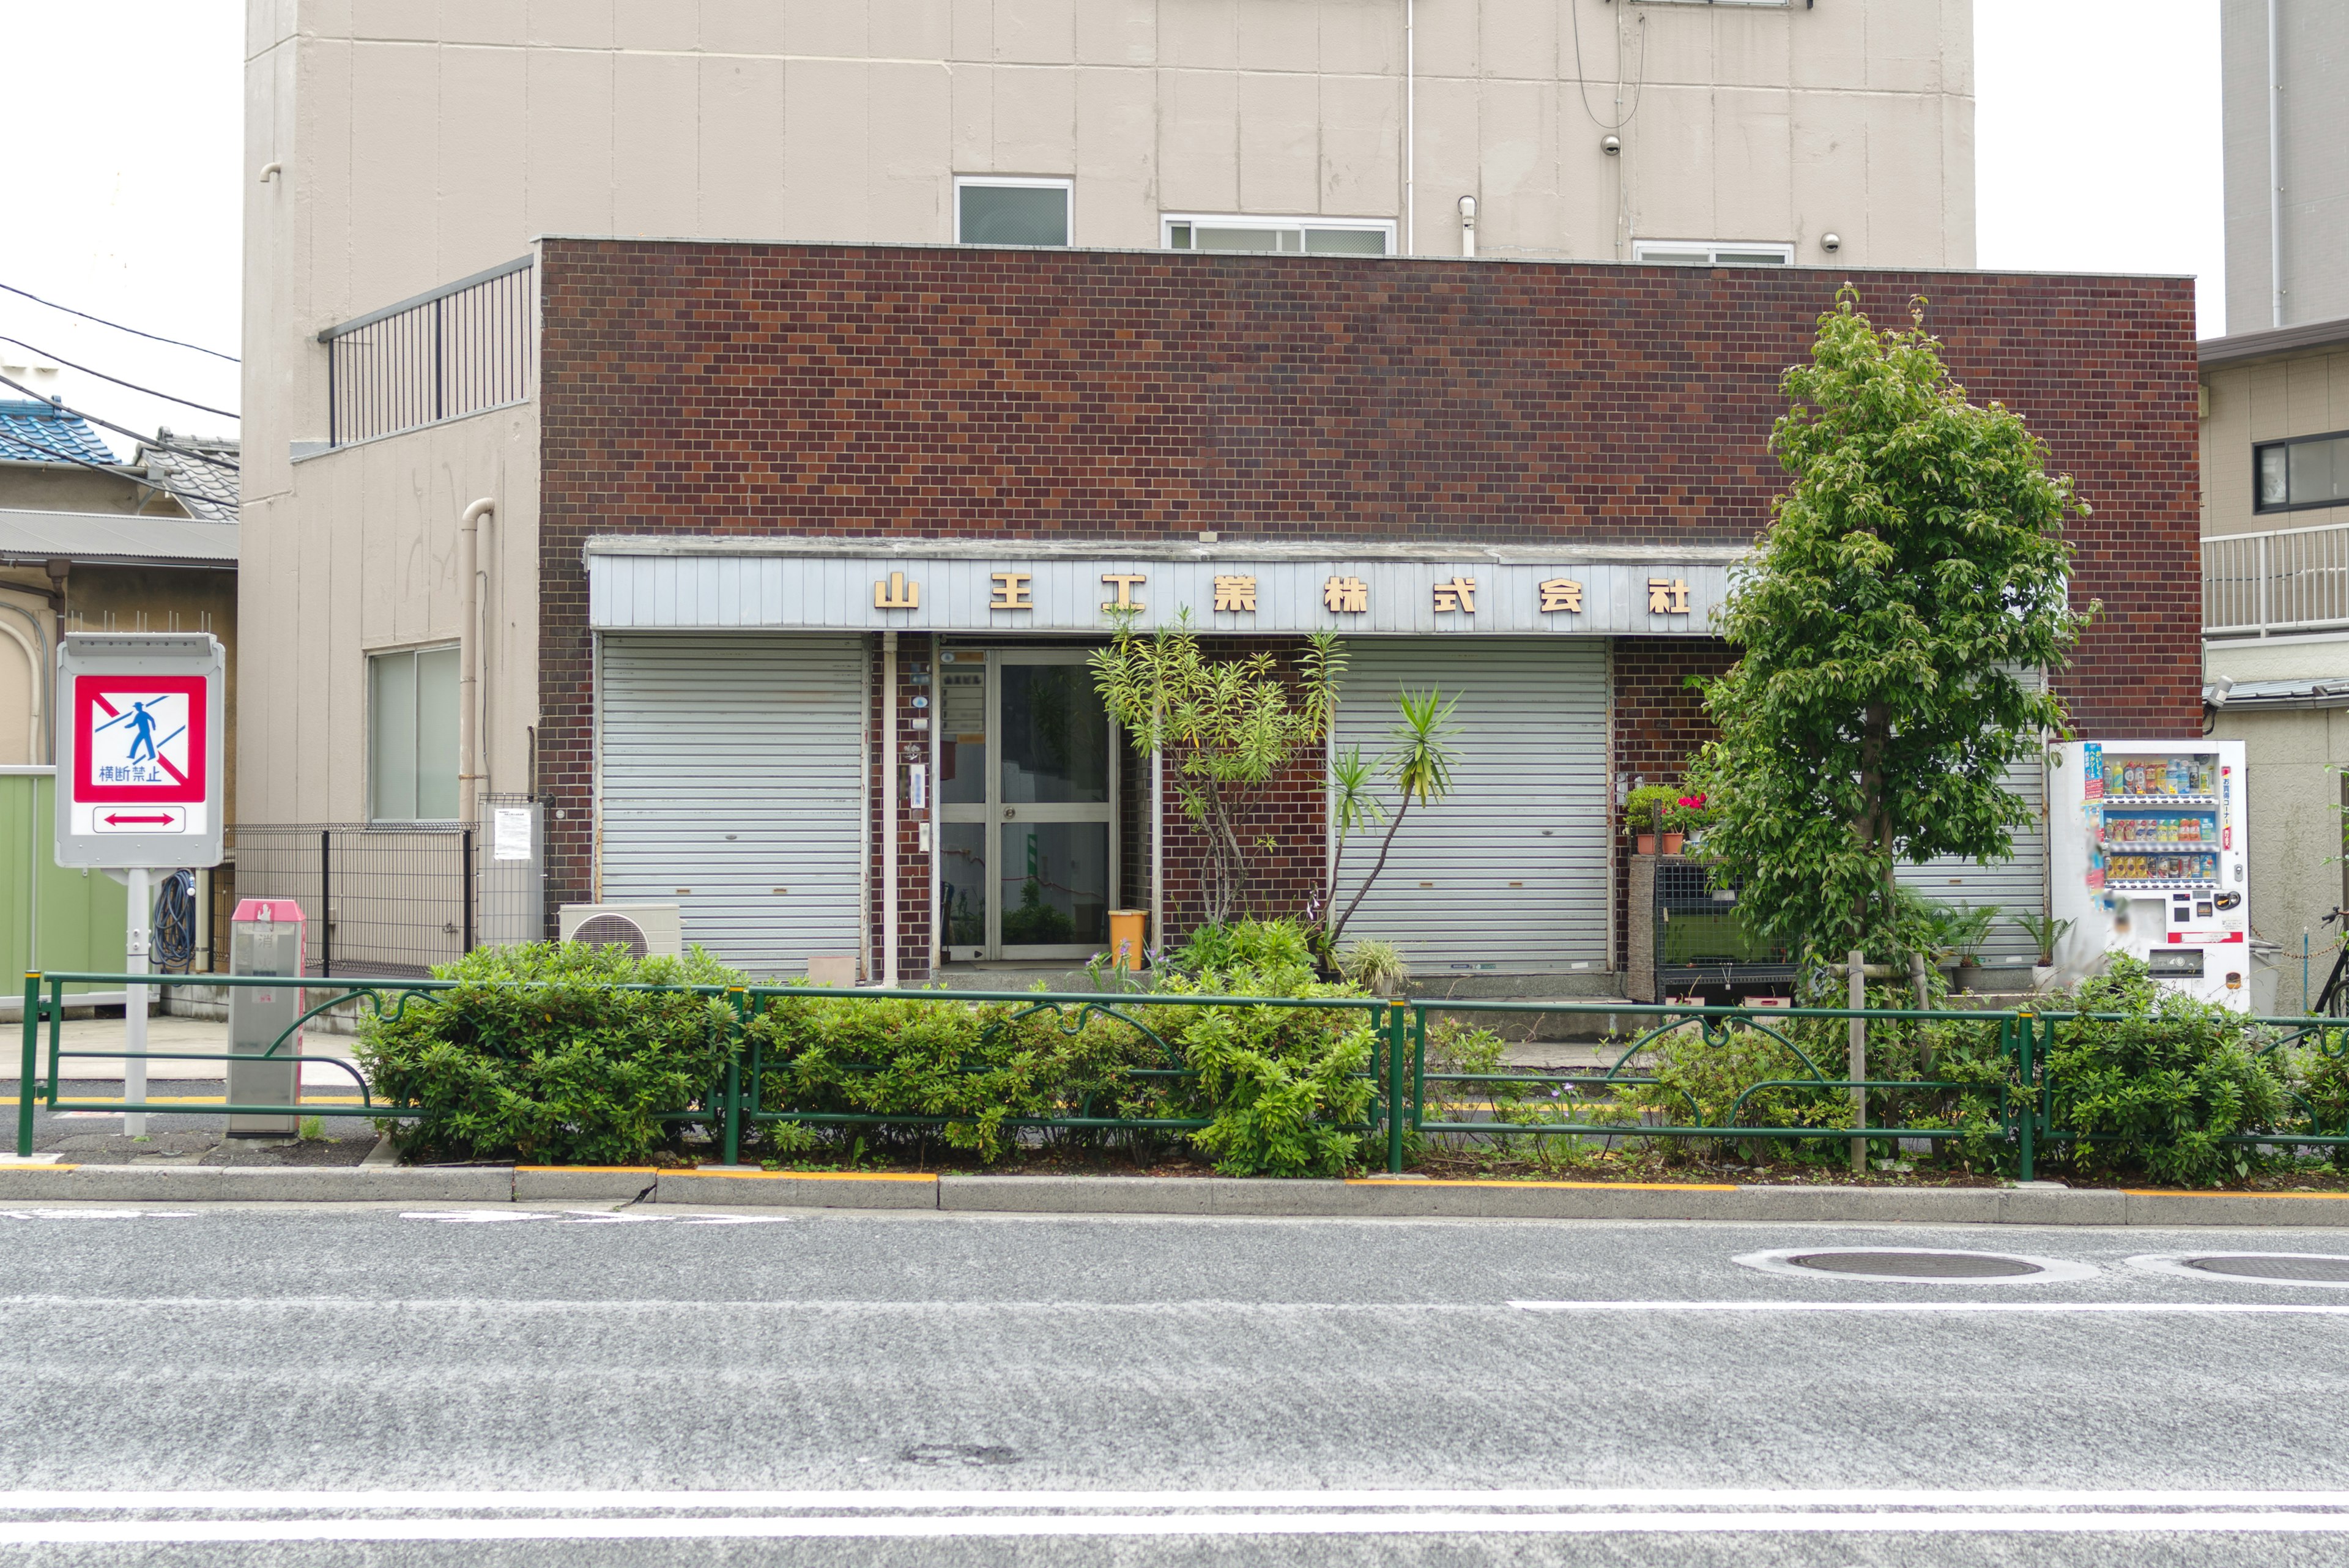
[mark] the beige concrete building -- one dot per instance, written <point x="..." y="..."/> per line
<point x="2275" y="467"/>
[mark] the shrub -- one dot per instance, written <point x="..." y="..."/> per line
<point x="2158" y="1086"/>
<point x="566" y="1065"/>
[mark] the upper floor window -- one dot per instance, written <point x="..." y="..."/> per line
<point x="2311" y="471"/>
<point x="991" y="210"/>
<point x="1295" y="236"/>
<point x="1712" y="252"/>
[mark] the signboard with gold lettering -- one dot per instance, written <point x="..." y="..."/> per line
<point x="1090" y="588"/>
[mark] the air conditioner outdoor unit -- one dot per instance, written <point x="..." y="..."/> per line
<point x="647" y="930"/>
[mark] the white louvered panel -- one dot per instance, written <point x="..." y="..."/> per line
<point x="710" y="735"/>
<point x="1509" y="874"/>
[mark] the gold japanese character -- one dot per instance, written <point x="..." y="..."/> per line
<point x="1011" y="591"/>
<point x="1459" y="594"/>
<point x="1561" y="594"/>
<point x="1125" y="582"/>
<point x="1236" y="594"/>
<point x="896" y="593"/>
<point x="1346" y="596"/>
<point x="1668" y="596"/>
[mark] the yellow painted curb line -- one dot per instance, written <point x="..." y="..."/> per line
<point x="2179" y="1192"/>
<point x="1594" y="1186"/>
<point x="801" y="1174"/>
<point x="13" y="1166"/>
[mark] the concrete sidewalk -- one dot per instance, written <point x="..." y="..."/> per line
<point x="164" y="1034"/>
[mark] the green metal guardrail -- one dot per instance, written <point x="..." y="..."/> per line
<point x="1398" y="1072"/>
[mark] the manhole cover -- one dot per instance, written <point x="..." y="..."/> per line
<point x="1918" y="1266"/>
<point x="2277" y="1266"/>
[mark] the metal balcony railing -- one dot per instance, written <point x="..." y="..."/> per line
<point x="2285" y="580"/>
<point x="455" y="350"/>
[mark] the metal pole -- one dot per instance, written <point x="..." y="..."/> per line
<point x="1917" y="982"/>
<point x="1858" y="991"/>
<point x="31" y="1065"/>
<point x="889" y="809"/>
<point x="466" y="874"/>
<point x="1394" y="1090"/>
<point x="325" y="902"/>
<point x="134" y="1004"/>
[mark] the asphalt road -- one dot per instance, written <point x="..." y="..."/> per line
<point x="218" y="1385"/>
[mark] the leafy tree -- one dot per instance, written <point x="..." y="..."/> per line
<point x="1227" y="726"/>
<point x="1914" y="573"/>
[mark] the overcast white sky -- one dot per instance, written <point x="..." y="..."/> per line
<point x="2097" y="134"/>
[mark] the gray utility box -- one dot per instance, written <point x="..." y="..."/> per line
<point x="257" y="1015"/>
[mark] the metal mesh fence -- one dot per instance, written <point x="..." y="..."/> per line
<point x="391" y="900"/>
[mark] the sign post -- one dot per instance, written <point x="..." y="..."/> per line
<point x="139" y="735"/>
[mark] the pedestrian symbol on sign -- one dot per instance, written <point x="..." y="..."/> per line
<point x="142" y="743"/>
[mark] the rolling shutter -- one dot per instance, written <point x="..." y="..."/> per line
<point x="2018" y="886"/>
<point x="1509" y="873"/>
<point x="731" y="787"/>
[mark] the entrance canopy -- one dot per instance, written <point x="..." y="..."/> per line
<point x="673" y="583"/>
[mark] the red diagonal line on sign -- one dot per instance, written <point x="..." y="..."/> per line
<point x="165" y="764"/>
<point x="99" y="698"/>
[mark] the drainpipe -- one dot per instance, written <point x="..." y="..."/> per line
<point x="2275" y="166"/>
<point x="1410" y="127"/>
<point x="889" y="809"/>
<point x="468" y="662"/>
<point x="58" y="572"/>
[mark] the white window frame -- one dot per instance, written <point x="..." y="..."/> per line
<point x="414" y="651"/>
<point x="1645" y="251"/>
<point x="1167" y="222"/>
<point x="1062" y="183"/>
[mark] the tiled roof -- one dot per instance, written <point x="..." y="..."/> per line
<point x="35" y="432"/>
<point x="191" y="476"/>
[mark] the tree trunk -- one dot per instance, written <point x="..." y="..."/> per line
<point x="1338" y="932"/>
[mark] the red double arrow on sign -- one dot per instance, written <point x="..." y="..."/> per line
<point x="116" y="819"/>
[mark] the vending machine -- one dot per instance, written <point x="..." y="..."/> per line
<point x="2147" y="853"/>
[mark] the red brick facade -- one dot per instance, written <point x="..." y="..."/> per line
<point x="809" y="389"/>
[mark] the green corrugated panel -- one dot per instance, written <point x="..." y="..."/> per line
<point x="50" y="918"/>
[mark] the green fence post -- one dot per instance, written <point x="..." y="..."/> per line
<point x="32" y="1062"/>
<point x="2027" y="1163"/>
<point x="737" y="995"/>
<point x="1395" y="1089"/>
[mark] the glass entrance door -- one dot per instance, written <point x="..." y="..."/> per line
<point x="1028" y="771"/>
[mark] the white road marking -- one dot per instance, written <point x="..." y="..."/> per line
<point x="2184" y="1309"/>
<point x="97" y="1214"/>
<point x="52" y="1532"/>
<point x="588" y="1217"/>
<point x="911" y="1498"/>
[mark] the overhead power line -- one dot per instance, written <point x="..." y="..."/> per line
<point x="205" y="407"/>
<point x="156" y="440"/>
<point x="102" y="321"/>
<point x="13" y="439"/>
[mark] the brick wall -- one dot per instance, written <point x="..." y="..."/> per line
<point x="702" y="387"/>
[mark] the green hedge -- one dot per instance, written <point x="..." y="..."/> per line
<point x="574" y="1068"/>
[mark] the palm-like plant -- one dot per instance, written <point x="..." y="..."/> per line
<point x="1419" y="764"/>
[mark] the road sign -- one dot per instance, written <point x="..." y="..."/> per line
<point x="140" y="747"/>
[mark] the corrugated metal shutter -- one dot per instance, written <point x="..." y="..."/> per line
<point x="1509" y="874"/>
<point x="729" y="768"/>
<point x="2018" y="886"/>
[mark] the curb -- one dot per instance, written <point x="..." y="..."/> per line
<point x="1077" y="1195"/>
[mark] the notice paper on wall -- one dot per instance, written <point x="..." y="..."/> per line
<point x="510" y="833"/>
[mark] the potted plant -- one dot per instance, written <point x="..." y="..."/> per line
<point x="2045" y="931"/>
<point x="1684" y="819"/>
<point x="1644" y="814"/>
